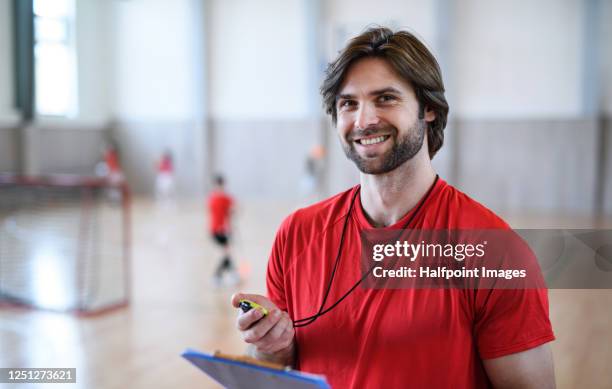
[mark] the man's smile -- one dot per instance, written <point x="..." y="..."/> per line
<point x="372" y="140"/>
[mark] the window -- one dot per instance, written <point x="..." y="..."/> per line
<point x="55" y="58"/>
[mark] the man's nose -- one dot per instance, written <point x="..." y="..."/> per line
<point x="366" y="116"/>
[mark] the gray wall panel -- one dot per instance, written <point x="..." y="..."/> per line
<point x="263" y="158"/>
<point x="343" y="173"/>
<point x="8" y="150"/>
<point x="607" y="195"/>
<point x="544" y="165"/>
<point x="64" y="151"/>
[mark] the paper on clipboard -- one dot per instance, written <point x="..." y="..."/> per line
<point x="234" y="374"/>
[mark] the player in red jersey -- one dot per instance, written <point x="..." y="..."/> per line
<point x="386" y="97"/>
<point x="220" y="206"/>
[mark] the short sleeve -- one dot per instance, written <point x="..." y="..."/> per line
<point x="275" y="274"/>
<point x="511" y="320"/>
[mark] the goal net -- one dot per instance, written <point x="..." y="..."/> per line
<point x="64" y="243"/>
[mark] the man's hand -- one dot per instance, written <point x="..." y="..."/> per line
<point x="271" y="338"/>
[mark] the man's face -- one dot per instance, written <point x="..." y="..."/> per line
<point x="378" y="122"/>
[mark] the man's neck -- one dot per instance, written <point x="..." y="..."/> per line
<point x="386" y="198"/>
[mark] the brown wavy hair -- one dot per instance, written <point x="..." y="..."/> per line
<point x="410" y="59"/>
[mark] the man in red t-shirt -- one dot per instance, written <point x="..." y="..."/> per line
<point x="220" y="208"/>
<point x="386" y="97"/>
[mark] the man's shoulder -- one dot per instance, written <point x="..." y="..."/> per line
<point x="465" y="212"/>
<point x="315" y="218"/>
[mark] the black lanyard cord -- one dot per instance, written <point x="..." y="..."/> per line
<point x="305" y="321"/>
<point x="311" y="319"/>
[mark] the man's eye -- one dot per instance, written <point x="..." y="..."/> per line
<point x="347" y="104"/>
<point x="385" y="98"/>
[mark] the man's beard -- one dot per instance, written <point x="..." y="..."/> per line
<point x="404" y="148"/>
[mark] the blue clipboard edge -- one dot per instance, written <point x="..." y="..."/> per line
<point x="307" y="377"/>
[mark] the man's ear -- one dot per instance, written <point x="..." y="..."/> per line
<point x="430" y="115"/>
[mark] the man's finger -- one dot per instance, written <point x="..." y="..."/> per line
<point x="277" y="338"/>
<point x="245" y="320"/>
<point x="284" y="341"/>
<point x="277" y="331"/>
<point x="261" y="329"/>
<point x="256" y="298"/>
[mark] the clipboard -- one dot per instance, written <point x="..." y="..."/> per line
<point x="240" y="373"/>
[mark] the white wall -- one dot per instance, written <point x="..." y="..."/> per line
<point x="7" y="112"/>
<point x="258" y="63"/>
<point x="347" y="18"/>
<point x="518" y="59"/>
<point x="158" y="89"/>
<point x="153" y="43"/>
<point x="94" y="62"/>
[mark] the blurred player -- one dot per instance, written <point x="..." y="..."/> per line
<point x="310" y="184"/>
<point x="113" y="172"/>
<point x="113" y="167"/>
<point x="164" y="181"/>
<point x="220" y="205"/>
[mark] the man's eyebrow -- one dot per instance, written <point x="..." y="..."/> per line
<point x="344" y="96"/>
<point x="376" y="92"/>
<point x="388" y="89"/>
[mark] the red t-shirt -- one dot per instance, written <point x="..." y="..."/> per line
<point x="219" y="206"/>
<point x="396" y="338"/>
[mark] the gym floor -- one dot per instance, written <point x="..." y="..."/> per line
<point x="175" y="306"/>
